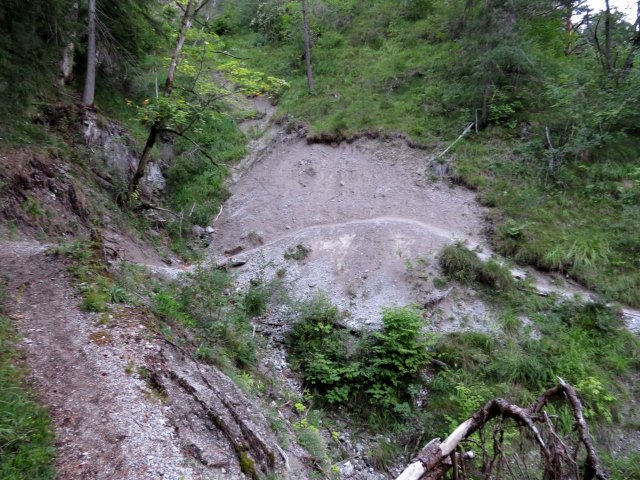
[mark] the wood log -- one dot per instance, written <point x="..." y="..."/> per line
<point x="434" y="459"/>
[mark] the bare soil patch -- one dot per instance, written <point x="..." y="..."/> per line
<point x="365" y="212"/>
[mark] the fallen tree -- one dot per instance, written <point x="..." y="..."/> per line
<point x="561" y="458"/>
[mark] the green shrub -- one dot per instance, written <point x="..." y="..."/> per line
<point x="383" y="371"/>
<point x="317" y="346"/>
<point x="461" y="264"/>
<point x="394" y="358"/>
<point x="206" y="303"/>
<point x="255" y="300"/>
<point x="94" y="301"/>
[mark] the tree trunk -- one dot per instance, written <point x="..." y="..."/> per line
<point x="436" y="458"/>
<point x="635" y="44"/>
<point x="608" y="62"/>
<point x="66" y="62"/>
<point x="185" y="24"/>
<point x="307" y="47"/>
<point x="145" y="157"/>
<point x="90" y="78"/>
<point x="483" y="122"/>
<point x="568" y="26"/>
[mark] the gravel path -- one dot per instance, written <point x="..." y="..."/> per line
<point x="108" y="425"/>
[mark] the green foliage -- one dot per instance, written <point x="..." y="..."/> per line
<point x="383" y="371"/>
<point x="624" y="467"/>
<point x="28" y="50"/>
<point x="384" y="454"/>
<point x="26" y="436"/>
<point x="310" y="439"/>
<point x="394" y="358"/>
<point x="256" y="299"/>
<point x="96" y="286"/>
<point x="300" y="252"/>
<point x="427" y="68"/>
<point x="584" y="344"/>
<point x="463" y="265"/>
<point x="598" y="400"/>
<point x="94" y="301"/>
<point x="203" y="302"/>
<point x="556" y="222"/>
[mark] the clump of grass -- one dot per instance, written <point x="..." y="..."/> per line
<point x="310" y="439"/>
<point x="584" y="344"/>
<point x="463" y="265"/>
<point x="94" y="301"/>
<point x="299" y="252"/>
<point x="384" y="454"/>
<point x="86" y="267"/>
<point x="205" y="303"/>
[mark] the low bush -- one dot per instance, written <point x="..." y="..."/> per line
<point x="461" y="264"/>
<point x="380" y="373"/>
<point x="206" y="303"/>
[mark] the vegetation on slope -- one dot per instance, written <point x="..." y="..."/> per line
<point x="558" y="156"/>
<point x="555" y="152"/>
<point x="26" y="437"/>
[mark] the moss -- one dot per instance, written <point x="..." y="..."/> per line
<point x="247" y="465"/>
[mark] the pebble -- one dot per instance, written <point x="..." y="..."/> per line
<point x="347" y="469"/>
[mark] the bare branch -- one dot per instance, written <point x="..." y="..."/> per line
<point x="196" y="144"/>
<point x="433" y="461"/>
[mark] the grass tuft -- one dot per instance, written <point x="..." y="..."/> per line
<point x="26" y="437"/>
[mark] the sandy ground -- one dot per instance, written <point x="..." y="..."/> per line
<point x="371" y="220"/>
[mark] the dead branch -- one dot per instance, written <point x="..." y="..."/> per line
<point x="446" y="150"/>
<point x="224" y="52"/>
<point x="435" y="459"/>
<point x="149" y="206"/>
<point x="196" y="144"/>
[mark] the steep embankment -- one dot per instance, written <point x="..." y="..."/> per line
<point x="362" y="222"/>
<point x="125" y="403"/>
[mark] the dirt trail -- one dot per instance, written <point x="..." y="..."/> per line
<point x="105" y="427"/>
<point x="126" y="405"/>
<point x="367" y="215"/>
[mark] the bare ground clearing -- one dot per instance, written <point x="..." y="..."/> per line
<point x="369" y="219"/>
<point x="371" y="222"/>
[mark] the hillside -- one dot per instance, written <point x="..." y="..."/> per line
<point x="213" y="267"/>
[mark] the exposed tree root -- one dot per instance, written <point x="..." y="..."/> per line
<point x="560" y="461"/>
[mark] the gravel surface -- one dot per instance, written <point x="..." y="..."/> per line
<point x="108" y="424"/>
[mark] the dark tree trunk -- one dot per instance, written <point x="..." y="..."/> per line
<point x="307" y="47"/>
<point x="608" y="61"/>
<point x="483" y="121"/>
<point x="635" y="44"/>
<point x="90" y="78"/>
<point x="185" y="24"/>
